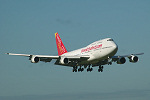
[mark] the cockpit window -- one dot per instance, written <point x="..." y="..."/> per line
<point x="110" y="40"/>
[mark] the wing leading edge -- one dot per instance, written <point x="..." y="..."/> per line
<point x="127" y="55"/>
<point x="48" y="58"/>
<point x="36" y="58"/>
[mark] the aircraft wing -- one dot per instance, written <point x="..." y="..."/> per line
<point x="121" y="58"/>
<point x="118" y="56"/>
<point x="48" y="58"/>
<point x="26" y="55"/>
<point x="44" y="58"/>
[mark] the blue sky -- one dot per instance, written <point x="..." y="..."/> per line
<point x="28" y="26"/>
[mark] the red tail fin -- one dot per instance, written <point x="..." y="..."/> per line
<point x="60" y="46"/>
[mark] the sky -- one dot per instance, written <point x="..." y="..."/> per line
<point x="28" y="26"/>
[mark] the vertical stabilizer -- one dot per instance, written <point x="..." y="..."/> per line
<point x="60" y="46"/>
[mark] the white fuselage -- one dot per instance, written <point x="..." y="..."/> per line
<point x="97" y="51"/>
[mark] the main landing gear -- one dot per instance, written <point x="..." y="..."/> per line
<point x="100" y="68"/>
<point x="89" y="69"/>
<point x="75" y="69"/>
<point x="80" y="69"/>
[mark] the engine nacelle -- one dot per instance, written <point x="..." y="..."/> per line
<point x="35" y="59"/>
<point x="133" y="59"/>
<point x="121" y="60"/>
<point x="64" y="61"/>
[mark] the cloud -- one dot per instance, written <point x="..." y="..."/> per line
<point x="119" y="95"/>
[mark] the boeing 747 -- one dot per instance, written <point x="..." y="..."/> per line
<point x="99" y="53"/>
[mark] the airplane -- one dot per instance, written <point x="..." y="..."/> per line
<point x="98" y="53"/>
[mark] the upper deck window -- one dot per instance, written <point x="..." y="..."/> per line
<point x="110" y="40"/>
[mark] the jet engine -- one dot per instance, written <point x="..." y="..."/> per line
<point x="35" y="59"/>
<point x="121" y="60"/>
<point x="64" y="60"/>
<point x="133" y="59"/>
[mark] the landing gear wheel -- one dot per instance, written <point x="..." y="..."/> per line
<point x="100" y="69"/>
<point x="87" y="70"/>
<point x="91" y="69"/>
<point x="82" y="69"/>
<point x="79" y="70"/>
<point x="74" y="69"/>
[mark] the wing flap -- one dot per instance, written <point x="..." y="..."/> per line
<point x="81" y="57"/>
<point x="47" y="56"/>
<point x="45" y="59"/>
